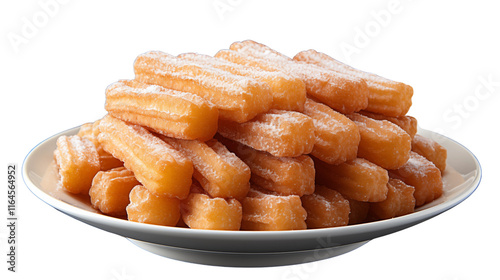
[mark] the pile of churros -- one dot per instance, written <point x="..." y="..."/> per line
<point x="250" y="139"/>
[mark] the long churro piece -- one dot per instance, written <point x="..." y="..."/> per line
<point x="166" y="111"/>
<point x="146" y="207"/>
<point x="385" y="97"/>
<point x="431" y="150"/>
<point x="407" y="123"/>
<point x="344" y="93"/>
<point x="280" y="133"/>
<point x="158" y="166"/>
<point x="201" y="211"/>
<point x="289" y="93"/>
<point x="399" y="202"/>
<point x="282" y="175"/>
<point x="326" y="208"/>
<point x="220" y="172"/>
<point x="423" y="175"/>
<point x="382" y="142"/>
<point x="337" y="137"/>
<point x="357" y="179"/>
<point x="238" y="98"/>
<point x="266" y="211"/>
<point x="78" y="162"/>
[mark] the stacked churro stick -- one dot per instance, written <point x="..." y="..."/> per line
<point x="385" y="96"/>
<point x="407" y="123"/>
<point x="431" y="150"/>
<point x="281" y="175"/>
<point x="110" y="190"/>
<point x="399" y="202"/>
<point x="220" y="172"/>
<point x="91" y="131"/>
<point x="238" y="98"/>
<point x="201" y="211"/>
<point x="267" y="211"/>
<point x="337" y="137"/>
<point x="147" y="207"/>
<point x="382" y="142"/>
<point x="357" y="179"/>
<point x="78" y="162"/>
<point x="344" y="93"/>
<point x="169" y="112"/>
<point x="289" y="93"/>
<point x="423" y="175"/>
<point x="326" y="208"/>
<point x="160" y="168"/>
<point x="280" y="133"/>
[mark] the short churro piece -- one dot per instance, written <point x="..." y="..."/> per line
<point x="337" y="137"/>
<point x="358" y="179"/>
<point x="407" y="123"/>
<point x="382" y="142"/>
<point x="326" y="208"/>
<point x="90" y="131"/>
<point x="110" y="190"/>
<point x="282" y="175"/>
<point x="385" y="96"/>
<point x="423" y="175"/>
<point x="431" y="150"/>
<point x="399" y="202"/>
<point x="201" y="211"/>
<point x="159" y="167"/>
<point x="220" y="172"/>
<point x="359" y="211"/>
<point x="169" y="112"/>
<point x="146" y="207"/>
<point x="263" y="211"/>
<point x="78" y="162"/>
<point x="280" y="133"/>
<point x="344" y="93"/>
<point x="238" y="98"/>
<point x="289" y="93"/>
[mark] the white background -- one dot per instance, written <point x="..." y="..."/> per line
<point x="56" y="60"/>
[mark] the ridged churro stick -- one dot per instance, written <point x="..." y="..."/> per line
<point x="169" y="112"/>
<point x="237" y="98"/>
<point x="385" y="97"/>
<point x="158" y="166"/>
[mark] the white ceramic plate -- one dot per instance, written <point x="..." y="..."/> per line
<point x="246" y="248"/>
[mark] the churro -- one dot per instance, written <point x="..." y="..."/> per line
<point x="280" y="133"/>
<point x="289" y="93"/>
<point x="407" y="123"/>
<point x="399" y="202"/>
<point x="90" y="131"/>
<point x="220" y="172"/>
<point x="159" y="167"/>
<point x="78" y="162"/>
<point x="169" y="112"/>
<point x="382" y="142"/>
<point x="385" y="96"/>
<point x="110" y="190"/>
<point x="146" y="207"/>
<point x="238" y="98"/>
<point x="337" y="137"/>
<point x="431" y="150"/>
<point x="282" y="175"/>
<point x="326" y="208"/>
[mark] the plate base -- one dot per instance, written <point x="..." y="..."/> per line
<point x="245" y="259"/>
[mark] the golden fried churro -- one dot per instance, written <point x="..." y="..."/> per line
<point x="407" y="123"/>
<point x="337" y="137"/>
<point x="385" y="96"/>
<point x="325" y="208"/>
<point x="159" y="167"/>
<point x="166" y="111"/>
<point x="146" y="207"/>
<point x="220" y="172"/>
<point x="358" y="179"/>
<point x="78" y="162"/>
<point x="238" y="98"/>
<point x="382" y="142"/>
<point x="265" y="211"/>
<point x="110" y="190"/>
<point x="399" y="202"/>
<point x="289" y="93"/>
<point x="423" y="175"/>
<point x="431" y="150"/>
<point x="107" y="160"/>
<point x="280" y="133"/>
